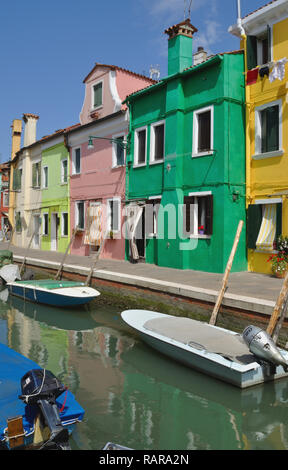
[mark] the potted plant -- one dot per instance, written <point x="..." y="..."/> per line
<point x="279" y="264"/>
<point x="111" y="234"/>
<point x="201" y="230"/>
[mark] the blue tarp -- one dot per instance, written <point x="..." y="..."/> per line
<point x="13" y="366"/>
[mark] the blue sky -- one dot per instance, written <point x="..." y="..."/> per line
<point x="47" y="49"/>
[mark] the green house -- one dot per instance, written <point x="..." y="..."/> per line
<point x="55" y="197"/>
<point x="185" y="181"/>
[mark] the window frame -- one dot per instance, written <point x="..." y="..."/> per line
<point x="37" y="173"/>
<point x="62" y="169"/>
<point x="114" y="150"/>
<point x="136" y="146"/>
<point x="45" y="186"/>
<point x="152" y="159"/>
<point x="93" y="107"/>
<point x="109" y="218"/>
<point x="258" y="131"/>
<point x="196" y="222"/>
<point x="44" y="214"/>
<point x="7" y="196"/>
<point x="195" y="144"/>
<point x="77" y="203"/>
<point x="74" y="172"/>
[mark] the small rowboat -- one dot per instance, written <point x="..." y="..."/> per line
<point x="53" y="292"/>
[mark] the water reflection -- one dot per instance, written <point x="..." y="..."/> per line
<point x="134" y="396"/>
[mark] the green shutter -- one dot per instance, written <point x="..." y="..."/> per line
<point x="34" y="175"/>
<point x="251" y="52"/>
<point x="278" y="220"/>
<point x="17" y="180"/>
<point x="254" y="219"/>
<point x="269" y="40"/>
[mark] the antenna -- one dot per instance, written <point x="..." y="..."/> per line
<point x="187" y="9"/>
<point x="155" y="72"/>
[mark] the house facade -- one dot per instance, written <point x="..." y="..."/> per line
<point x="264" y="37"/>
<point x="186" y="166"/>
<point x="4" y="199"/>
<point x="97" y="161"/>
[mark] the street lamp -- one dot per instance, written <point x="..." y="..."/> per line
<point x="123" y="143"/>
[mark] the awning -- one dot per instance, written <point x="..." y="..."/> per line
<point x="133" y="213"/>
<point x="93" y="233"/>
<point x="267" y="231"/>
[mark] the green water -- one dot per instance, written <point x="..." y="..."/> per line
<point x="131" y="394"/>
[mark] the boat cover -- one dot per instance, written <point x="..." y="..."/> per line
<point x="51" y="283"/>
<point x="13" y="366"/>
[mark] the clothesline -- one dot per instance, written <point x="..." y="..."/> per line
<point x="277" y="72"/>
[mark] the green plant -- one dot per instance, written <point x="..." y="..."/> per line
<point x="279" y="262"/>
<point x="282" y="244"/>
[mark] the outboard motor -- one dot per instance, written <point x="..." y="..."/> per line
<point x="41" y="387"/>
<point x="263" y="347"/>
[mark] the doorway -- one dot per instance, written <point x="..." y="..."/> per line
<point x="140" y="236"/>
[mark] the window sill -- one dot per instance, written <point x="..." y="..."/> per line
<point x="203" y="154"/>
<point x="115" y="167"/>
<point x="92" y="110"/>
<point x="64" y="184"/>
<point x="156" y="162"/>
<point x="198" y="235"/>
<point x="75" y="174"/>
<point x="140" y="165"/>
<point x="261" y="156"/>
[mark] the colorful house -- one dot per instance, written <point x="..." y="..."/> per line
<point x="97" y="161"/>
<point x="5" y="226"/>
<point x="264" y="37"/>
<point x="186" y="165"/>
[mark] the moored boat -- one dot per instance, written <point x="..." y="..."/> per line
<point x="35" y="408"/>
<point x="53" y="292"/>
<point x="212" y="350"/>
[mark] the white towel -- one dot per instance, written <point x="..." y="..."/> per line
<point x="278" y="71"/>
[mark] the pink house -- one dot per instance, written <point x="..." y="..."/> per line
<point x="97" y="161"/>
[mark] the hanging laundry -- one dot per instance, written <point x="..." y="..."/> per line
<point x="278" y="71"/>
<point x="252" y="76"/>
<point x="264" y="71"/>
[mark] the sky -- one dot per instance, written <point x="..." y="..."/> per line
<point x="48" y="48"/>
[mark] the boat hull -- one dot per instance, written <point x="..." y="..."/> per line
<point x="212" y="364"/>
<point x="63" y="297"/>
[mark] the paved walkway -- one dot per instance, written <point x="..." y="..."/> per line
<point x="251" y="291"/>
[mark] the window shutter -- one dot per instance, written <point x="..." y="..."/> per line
<point x="16" y="179"/>
<point x="38" y="166"/>
<point x="34" y="175"/>
<point x="269" y="38"/>
<point x="251" y="52"/>
<point x="278" y="220"/>
<point x="187" y="203"/>
<point x="254" y="219"/>
<point x="209" y="215"/>
<point x="272" y="129"/>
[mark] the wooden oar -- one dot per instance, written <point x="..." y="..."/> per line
<point x="225" y="278"/>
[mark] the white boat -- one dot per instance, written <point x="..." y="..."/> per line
<point x="52" y="292"/>
<point x="215" y="351"/>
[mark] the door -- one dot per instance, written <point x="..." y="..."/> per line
<point x="54" y="231"/>
<point x="36" y="229"/>
<point x="140" y="236"/>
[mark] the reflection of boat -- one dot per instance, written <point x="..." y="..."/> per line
<point x="41" y="394"/>
<point x="53" y="316"/>
<point x="52" y="292"/>
<point x="215" y="351"/>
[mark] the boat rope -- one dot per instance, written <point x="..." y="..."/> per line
<point x="63" y="406"/>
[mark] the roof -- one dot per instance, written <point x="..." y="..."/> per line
<point x="115" y="67"/>
<point x="260" y="8"/>
<point x="191" y="68"/>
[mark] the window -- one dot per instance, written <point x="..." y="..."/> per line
<point x="151" y="216"/>
<point x="18" y="222"/>
<point x="64" y="224"/>
<point x="64" y="170"/>
<point x="157" y="142"/>
<point x="45" y="224"/>
<point x="118" y="151"/>
<point x="79" y="216"/>
<point x="198" y="214"/>
<point x="17" y="179"/>
<point x="268" y="128"/>
<point x="45" y="176"/>
<point x="36" y="175"/>
<point x="259" y="49"/>
<point x="140" y="146"/>
<point x="5" y="199"/>
<point x="114" y="208"/>
<point x="97" y="95"/>
<point x="264" y="224"/>
<point x="76" y="161"/>
<point x="203" y="132"/>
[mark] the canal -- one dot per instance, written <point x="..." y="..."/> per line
<point x="132" y="395"/>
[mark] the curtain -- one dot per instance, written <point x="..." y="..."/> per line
<point x="267" y="231"/>
<point x="133" y="214"/>
<point x="93" y="234"/>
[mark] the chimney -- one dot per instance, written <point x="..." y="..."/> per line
<point x="30" y="129"/>
<point x="199" y="56"/>
<point x="16" y="136"/>
<point x="180" y="46"/>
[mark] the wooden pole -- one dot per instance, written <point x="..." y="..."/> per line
<point x="278" y="327"/>
<point x="65" y="254"/>
<point x="226" y="274"/>
<point x="96" y="259"/>
<point x="277" y="309"/>
<point x="28" y="248"/>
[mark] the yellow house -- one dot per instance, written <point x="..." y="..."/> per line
<point x="264" y="37"/>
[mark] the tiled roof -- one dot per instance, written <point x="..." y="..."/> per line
<point x="56" y="133"/>
<point x="260" y="8"/>
<point x="115" y="67"/>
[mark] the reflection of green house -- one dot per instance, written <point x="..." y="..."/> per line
<point x="55" y="198"/>
<point x="186" y="165"/>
